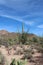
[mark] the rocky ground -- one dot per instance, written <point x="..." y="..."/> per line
<point x="17" y="52"/>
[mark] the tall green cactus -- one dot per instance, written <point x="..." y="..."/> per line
<point x="22" y="28"/>
<point x="23" y="35"/>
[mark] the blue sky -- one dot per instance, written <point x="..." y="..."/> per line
<point x="14" y="12"/>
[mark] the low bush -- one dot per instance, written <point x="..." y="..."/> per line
<point x="15" y="62"/>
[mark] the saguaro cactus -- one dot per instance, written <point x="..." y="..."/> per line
<point x="23" y="35"/>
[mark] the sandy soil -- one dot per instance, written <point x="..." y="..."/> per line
<point x="10" y="56"/>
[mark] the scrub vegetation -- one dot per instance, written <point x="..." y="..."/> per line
<point x="20" y="48"/>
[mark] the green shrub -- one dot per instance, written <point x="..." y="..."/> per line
<point x="15" y="62"/>
<point x="34" y="39"/>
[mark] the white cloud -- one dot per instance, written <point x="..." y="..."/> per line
<point x="21" y="10"/>
<point x="40" y="26"/>
<point x="29" y="22"/>
<point x="19" y="19"/>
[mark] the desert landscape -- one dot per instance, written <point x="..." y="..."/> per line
<point x="21" y="32"/>
<point x="30" y="52"/>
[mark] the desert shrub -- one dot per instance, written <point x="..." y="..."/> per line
<point x="27" y="54"/>
<point x="23" y="38"/>
<point x="34" y="39"/>
<point x="41" y="40"/>
<point x="40" y="43"/>
<point x="21" y="62"/>
<point x="10" y="41"/>
<point x="15" y="62"/>
<point x="3" y="61"/>
<point x="40" y="49"/>
<point x="19" y="52"/>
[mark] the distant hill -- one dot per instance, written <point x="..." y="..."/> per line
<point x="6" y="34"/>
<point x="12" y="37"/>
<point x="13" y="34"/>
<point x="2" y="32"/>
